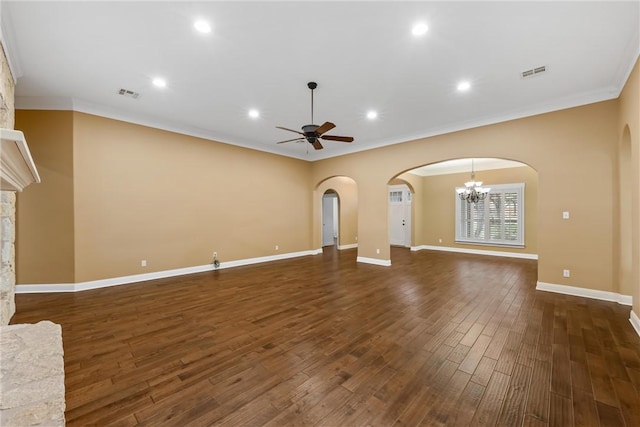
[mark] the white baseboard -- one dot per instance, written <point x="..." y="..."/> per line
<point x="351" y="246"/>
<point x="584" y="292"/>
<point x="374" y="261"/>
<point x="635" y="322"/>
<point x="269" y="258"/>
<point x="45" y="288"/>
<point x="123" y="280"/>
<point x="476" y="251"/>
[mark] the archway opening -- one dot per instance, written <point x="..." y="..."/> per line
<point x="504" y="223"/>
<point x="339" y="196"/>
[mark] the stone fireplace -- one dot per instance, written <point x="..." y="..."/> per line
<point x="7" y="202"/>
<point x="7" y="257"/>
<point x="31" y="356"/>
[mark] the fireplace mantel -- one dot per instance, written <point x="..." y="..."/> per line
<point x="17" y="167"/>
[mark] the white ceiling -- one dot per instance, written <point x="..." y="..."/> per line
<point x="362" y="54"/>
<point x="465" y="166"/>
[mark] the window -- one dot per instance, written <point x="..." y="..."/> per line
<point x="497" y="220"/>
<point x="395" y="196"/>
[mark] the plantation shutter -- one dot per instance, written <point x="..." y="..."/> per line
<point x="496" y="220"/>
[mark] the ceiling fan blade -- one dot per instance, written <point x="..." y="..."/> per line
<point x="289" y="140"/>
<point x="316" y="144"/>
<point x="290" y="130"/>
<point x="327" y="126"/>
<point x="337" y="138"/>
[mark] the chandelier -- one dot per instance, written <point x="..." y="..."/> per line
<point x="473" y="190"/>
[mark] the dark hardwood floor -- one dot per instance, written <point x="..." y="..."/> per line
<point x="435" y="339"/>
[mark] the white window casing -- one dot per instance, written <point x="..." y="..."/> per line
<point x="498" y="220"/>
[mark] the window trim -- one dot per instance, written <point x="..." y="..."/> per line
<point x="518" y="188"/>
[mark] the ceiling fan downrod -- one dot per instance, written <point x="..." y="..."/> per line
<point x="312" y="86"/>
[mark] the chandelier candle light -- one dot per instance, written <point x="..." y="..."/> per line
<point x="473" y="190"/>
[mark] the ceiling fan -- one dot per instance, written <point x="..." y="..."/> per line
<point x="314" y="133"/>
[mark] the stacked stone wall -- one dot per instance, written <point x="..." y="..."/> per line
<point x="7" y="256"/>
<point x="7" y="201"/>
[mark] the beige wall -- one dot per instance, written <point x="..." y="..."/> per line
<point x="45" y="225"/>
<point x="438" y="218"/>
<point x="628" y="243"/>
<point x="141" y="193"/>
<point x="146" y="194"/>
<point x="567" y="148"/>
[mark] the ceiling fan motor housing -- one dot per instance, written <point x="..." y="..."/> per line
<point x="310" y="133"/>
<point x="310" y="130"/>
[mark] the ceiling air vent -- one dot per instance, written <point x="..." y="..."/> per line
<point x="128" y="93"/>
<point x="534" y="71"/>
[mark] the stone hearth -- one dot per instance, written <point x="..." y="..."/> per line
<point x="32" y="375"/>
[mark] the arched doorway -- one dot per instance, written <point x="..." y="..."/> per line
<point x="336" y="199"/>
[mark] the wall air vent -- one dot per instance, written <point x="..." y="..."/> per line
<point x="129" y="93"/>
<point x="534" y="71"/>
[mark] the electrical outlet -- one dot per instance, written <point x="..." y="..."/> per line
<point x="143" y="263"/>
<point x="440" y="240"/>
<point x="378" y="251"/>
<point x="356" y="238"/>
<point x="566" y="273"/>
<point x="277" y="247"/>
<point x="565" y="215"/>
<point x="215" y="254"/>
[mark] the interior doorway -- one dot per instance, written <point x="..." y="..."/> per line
<point x="400" y="215"/>
<point x="330" y="220"/>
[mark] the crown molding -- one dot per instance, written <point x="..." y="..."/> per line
<point x="60" y="103"/>
<point x="44" y="103"/>
<point x="81" y="106"/>
<point x="573" y="101"/>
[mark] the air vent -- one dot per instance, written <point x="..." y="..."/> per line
<point x="534" y="71"/>
<point x="129" y="93"/>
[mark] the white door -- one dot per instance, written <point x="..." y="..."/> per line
<point x="328" y="223"/>
<point x="399" y="215"/>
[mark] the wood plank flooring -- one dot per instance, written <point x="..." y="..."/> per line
<point x="435" y="339"/>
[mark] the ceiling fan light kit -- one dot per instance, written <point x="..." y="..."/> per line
<point x="313" y="133"/>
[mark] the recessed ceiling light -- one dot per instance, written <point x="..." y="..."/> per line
<point x="420" y="29"/>
<point x="202" y="26"/>
<point x="463" y="86"/>
<point x="159" y="82"/>
<point x="372" y="115"/>
<point x="254" y="114"/>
